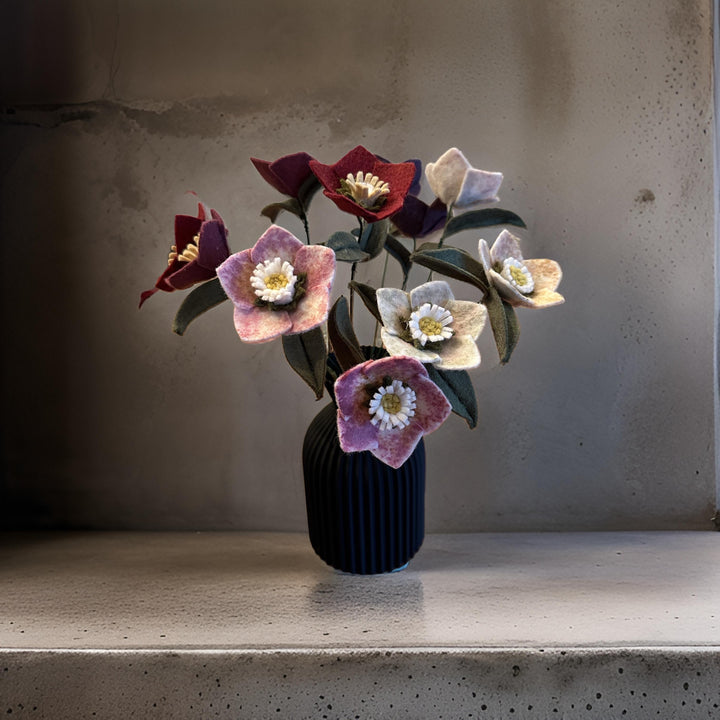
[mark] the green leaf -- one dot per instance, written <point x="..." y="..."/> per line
<point x="373" y="238"/>
<point x="307" y="190"/>
<point x="200" y="300"/>
<point x="459" y="390"/>
<point x="368" y="295"/>
<point x="346" y="247"/>
<point x="452" y="262"/>
<point x="482" y="218"/>
<point x="400" y="253"/>
<point x="307" y="355"/>
<point x="344" y="343"/>
<point x="504" y="324"/>
<point x="290" y="205"/>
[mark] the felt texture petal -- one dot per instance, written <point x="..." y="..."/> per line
<point x="459" y="353"/>
<point x="394" y="307"/>
<point x="397" y="346"/>
<point x="189" y="274"/>
<point x="275" y="242"/>
<point x="478" y="186"/>
<point x="506" y="246"/>
<point x="259" y="324"/>
<point x="186" y="228"/>
<point x="234" y="275"/>
<point x="469" y="318"/>
<point x="318" y="263"/>
<point x="311" y="311"/>
<point x="212" y="247"/>
<point x="446" y="175"/>
<point x="286" y="174"/>
<point x="436" y="292"/>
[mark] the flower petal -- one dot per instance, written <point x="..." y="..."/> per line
<point x="212" y="247"/>
<point x="397" y="346"/>
<point x="275" y="242"/>
<point x="394" y="307"/>
<point x="286" y="174"/>
<point x="506" y="246"/>
<point x="459" y="353"/>
<point x="318" y="263"/>
<point x="446" y="175"/>
<point x="311" y="311"/>
<point x="436" y="292"/>
<point x="234" y="275"/>
<point x="469" y="318"/>
<point x="479" y="186"/>
<point x="396" y="446"/>
<point x="260" y="324"/>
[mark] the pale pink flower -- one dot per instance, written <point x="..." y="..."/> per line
<point x="456" y="182"/>
<point x="278" y="287"/>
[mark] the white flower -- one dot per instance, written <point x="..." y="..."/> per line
<point x="456" y="182"/>
<point x="428" y="324"/>
<point x="524" y="283"/>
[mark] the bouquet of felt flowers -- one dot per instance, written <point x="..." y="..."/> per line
<point x="390" y="393"/>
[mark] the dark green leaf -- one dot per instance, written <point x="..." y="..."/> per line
<point x="504" y="324"/>
<point x="453" y="262"/>
<point x="482" y="218"/>
<point x="344" y="343"/>
<point x="200" y="300"/>
<point x="373" y="238"/>
<point x="368" y="296"/>
<point x="307" y="190"/>
<point x="346" y="247"/>
<point x="458" y="389"/>
<point x="290" y="205"/>
<point x="400" y="253"/>
<point x="307" y="355"/>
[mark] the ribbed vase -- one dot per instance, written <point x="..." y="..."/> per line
<point x="364" y="517"/>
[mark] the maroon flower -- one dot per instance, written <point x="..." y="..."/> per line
<point x="200" y="246"/>
<point x="364" y="185"/>
<point x="286" y="174"/>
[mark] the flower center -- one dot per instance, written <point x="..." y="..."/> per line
<point x="367" y="190"/>
<point x="517" y="275"/>
<point x="430" y="323"/>
<point x="274" y="281"/>
<point x="392" y="406"/>
<point x="190" y="252"/>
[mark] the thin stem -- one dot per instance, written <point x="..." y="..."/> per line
<point x="382" y="284"/>
<point x="444" y="233"/>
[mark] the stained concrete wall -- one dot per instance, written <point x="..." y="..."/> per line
<point x="598" y="113"/>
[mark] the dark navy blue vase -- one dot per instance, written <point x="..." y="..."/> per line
<point x="364" y="517"/>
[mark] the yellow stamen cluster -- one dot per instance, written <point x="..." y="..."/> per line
<point x="392" y="406"/>
<point x="430" y="323"/>
<point x="191" y="252"/>
<point x="274" y="281"/>
<point x="367" y="190"/>
<point x="515" y="272"/>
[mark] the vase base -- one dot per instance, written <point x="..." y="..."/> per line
<point x="387" y="572"/>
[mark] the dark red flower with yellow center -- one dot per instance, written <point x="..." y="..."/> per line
<point x="200" y="246"/>
<point x="365" y="186"/>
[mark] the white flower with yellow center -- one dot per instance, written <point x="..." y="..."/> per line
<point x="515" y="272"/>
<point x="392" y="406"/>
<point x="274" y="281"/>
<point x="430" y="323"/>
<point x="367" y="190"/>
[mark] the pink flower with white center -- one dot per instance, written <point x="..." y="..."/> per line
<point x="524" y="283"/>
<point x="386" y="406"/>
<point x="278" y="287"/>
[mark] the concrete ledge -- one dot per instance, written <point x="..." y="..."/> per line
<point x="236" y="625"/>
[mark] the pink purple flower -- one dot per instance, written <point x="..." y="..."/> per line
<point x="362" y="184"/>
<point x="200" y="246"/>
<point x="278" y="287"/>
<point x="386" y="406"/>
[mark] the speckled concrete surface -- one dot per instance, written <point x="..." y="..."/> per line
<point x="269" y="590"/>
<point x="252" y="625"/>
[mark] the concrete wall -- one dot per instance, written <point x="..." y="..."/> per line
<point x="598" y="113"/>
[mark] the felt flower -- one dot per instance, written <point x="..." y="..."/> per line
<point x="278" y="287"/>
<point x="526" y="283"/>
<point x="428" y="324"/>
<point x="456" y="182"/>
<point x="200" y="246"/>
<point x="417" y="219"/>
<point x="286" y="174"/>
<point x="362" y="184"/>
<point x="386" y="406"/>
